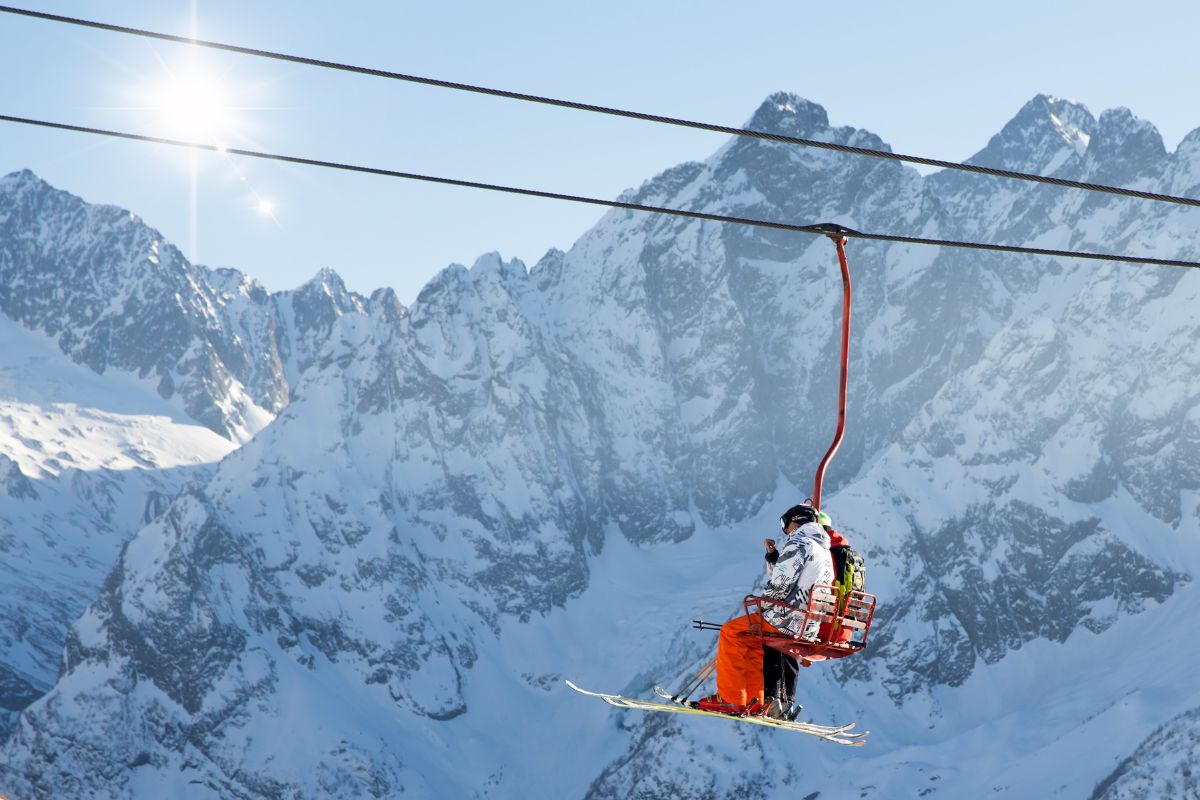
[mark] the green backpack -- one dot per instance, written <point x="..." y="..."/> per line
<point x="851" y="569"/>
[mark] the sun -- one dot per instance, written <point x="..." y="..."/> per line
<point x="194" y="105"/>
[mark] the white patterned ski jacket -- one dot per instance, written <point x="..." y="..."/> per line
<point x="803" y="560"/>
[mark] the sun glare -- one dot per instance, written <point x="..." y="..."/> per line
<point x="192" y="100"/>
<point x="193" y="105"/>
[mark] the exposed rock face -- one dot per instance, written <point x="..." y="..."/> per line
<point x="373" y="568"/>
<point x="115" y="295"/>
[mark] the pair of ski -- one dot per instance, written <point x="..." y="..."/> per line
<point x="840" y="734"/>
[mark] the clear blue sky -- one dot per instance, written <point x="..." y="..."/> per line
<point x="934" y="79"/>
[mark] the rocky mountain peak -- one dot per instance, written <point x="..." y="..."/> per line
<point x="548" y="269"/>
<point x="22" y="178"/>
<point x="789" y="114"/>
<point x="327" y="292"/>
<point x="385" y="305"/>
<point x="326" y="279"/>
<point x="446" y="281"/>
<point x="233" y="283"/>
<point x="1124" y="148"/>
<point x="1189" y="146"/>
<point x="1047" y="134"/>
<point x="1184" y="178"/>
<point x="493" y="266"/>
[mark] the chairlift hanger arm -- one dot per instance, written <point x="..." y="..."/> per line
<point x="838" y="235"/>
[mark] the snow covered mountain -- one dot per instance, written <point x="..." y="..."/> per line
<point x="120" y="341"/>
<point x="114" y="294"/>
<point x="547" y="472"/>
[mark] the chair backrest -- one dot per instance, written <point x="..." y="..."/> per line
<point x="842" y="621"/>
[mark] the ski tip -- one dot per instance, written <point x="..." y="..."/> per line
<point x="581" y="690"/>
<point x="665" y="695"/>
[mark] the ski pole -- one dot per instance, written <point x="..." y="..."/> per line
<point x="695" y="683"/>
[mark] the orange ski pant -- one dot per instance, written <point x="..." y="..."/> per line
<point x="740" y="660"/>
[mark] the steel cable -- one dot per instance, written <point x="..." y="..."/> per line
<point x="616" y="112"/>
<point x="822" y="229"/>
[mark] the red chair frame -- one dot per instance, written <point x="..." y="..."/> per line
<point x="844" y="624"/>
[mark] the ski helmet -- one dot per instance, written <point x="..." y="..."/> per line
<point x="801" y="514"/>
<point x="824" y="519"/>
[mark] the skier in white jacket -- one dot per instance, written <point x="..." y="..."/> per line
<point x="802" y="561"/>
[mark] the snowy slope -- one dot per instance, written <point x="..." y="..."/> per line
<point x="1162" y="766"/>
<point x="547" y="473"/>
<point x="86" y="460"/>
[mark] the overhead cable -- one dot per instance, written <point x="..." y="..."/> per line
<point x="616" y="112"/>
<point x="824" y="229"/>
